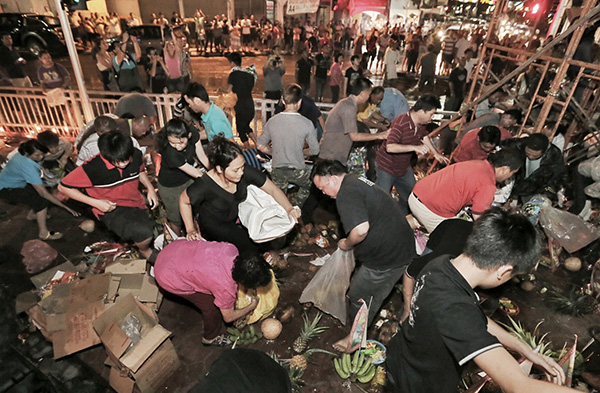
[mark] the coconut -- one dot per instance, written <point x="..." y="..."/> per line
<point x="87" y="226"/>
<point x="527" y="286"/>
<point x="573" y="264"/>
<point x="271" y="328"/>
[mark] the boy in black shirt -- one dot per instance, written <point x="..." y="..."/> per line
<point x="446" y="328"/>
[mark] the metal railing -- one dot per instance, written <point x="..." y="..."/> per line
<point x="28" y="111"/>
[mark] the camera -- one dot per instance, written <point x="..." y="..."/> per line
<point x="132" y="33"/>
<point x="276" y="61"/>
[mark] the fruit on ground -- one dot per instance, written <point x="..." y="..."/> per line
<point x="271" y="328"/>
<point x="299" y="362"/>
<point x="573" y="264"/>
<point x="310" y="330"/>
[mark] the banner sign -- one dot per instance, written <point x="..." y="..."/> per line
<point x="302" y="6"/>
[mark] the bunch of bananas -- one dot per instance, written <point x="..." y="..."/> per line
<point x="244" y="337"/>
<point x="356" y="367"/>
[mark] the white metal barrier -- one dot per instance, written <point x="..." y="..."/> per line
<point x="29" y="110"/>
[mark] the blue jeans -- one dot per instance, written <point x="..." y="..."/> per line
<point x="404" y="184"/>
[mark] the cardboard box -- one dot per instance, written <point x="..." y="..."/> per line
<point x="43" y="278"/>
<point x="65" y="317"/>
<point x="134" y="279"/>
<point x="149" y="362"/>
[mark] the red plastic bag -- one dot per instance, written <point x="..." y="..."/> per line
<point x="37" y="255"/>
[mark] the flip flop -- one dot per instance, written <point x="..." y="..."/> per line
<point x="52" y="236"/>
<point x="219" y="341"/>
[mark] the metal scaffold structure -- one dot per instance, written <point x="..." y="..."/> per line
<point x="565" y="90"/>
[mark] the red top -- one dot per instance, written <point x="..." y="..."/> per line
<point x="469" y="148"/>
<point x="102" y="180"/>
<point x="469" y="183"/>
<point x="403" y="131"/>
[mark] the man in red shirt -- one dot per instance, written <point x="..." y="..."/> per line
<point x="111" y="183"/>
<point x="407" y="136"/>
<point x="444" y="194"/>
<point x="477" y="144"/>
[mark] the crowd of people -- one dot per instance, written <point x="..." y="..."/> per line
<point x="364" y="155"/>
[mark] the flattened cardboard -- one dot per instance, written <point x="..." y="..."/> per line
<point x="39" y="280"/>
<point x="25" y="301"/>
<point x="157" y="369"/>
<point x="147" y="292"/>
<point x="131" y="272"/>
<point x="150" y="341"/>
<point x="79" y="333"/>
<point x="121" y="383"/>
<point x="113" y="288"/>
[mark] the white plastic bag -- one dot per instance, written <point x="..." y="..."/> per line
<point x="264" y="218"/>
<point x="327" y="289"/>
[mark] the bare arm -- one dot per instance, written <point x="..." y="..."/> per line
<point x="152" y="197"/>
<point x="137" y="49"/>
<point x="185" y="209"/>
<point x="399" y="148"/>
<point x="408" y="285"/>
<point x="51" y="198"/>
<point x="364" y="137"/>
<point x="356" y="235"/>
<point x="201" y="154"/>
<point x="438" y="156"/>
<point x="103" y="205"/>
<point x="265" y="149"/>
<point x="191" y="170"/>
<point x="270" y="188"/>
<point x="505" y="371"/>
<point x="231" y="314"/>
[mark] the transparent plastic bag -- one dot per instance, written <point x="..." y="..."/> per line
<point x="570" y="230"/>
<point x="132" y="327"/>
<point x="327" y="289"/>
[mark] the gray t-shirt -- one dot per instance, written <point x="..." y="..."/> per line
<point x="287" y="131"/>
<point x="336" y="143"/>
<point x="273" y="81"/>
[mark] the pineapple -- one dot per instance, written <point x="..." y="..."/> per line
<point x="310" y="330"/>
<point x="299" y="362"/>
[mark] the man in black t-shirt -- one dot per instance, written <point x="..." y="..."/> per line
<point x="446" y="328"/>
<point x="241" y="82"/>
<point x="304" y="67"/>
<point x="377" y="231"/>
<point x="323" y="64"/>
<point x="352" y="74"/>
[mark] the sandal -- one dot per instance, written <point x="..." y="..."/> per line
<point x="52" y="236"/>
<point x="219" y="341"/>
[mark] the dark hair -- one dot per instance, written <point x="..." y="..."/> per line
<point x="48" y="138"/>
<point x="361" y="84"/>
<point x="292" y="94"/>
<point x="510" y="157"/>
<point x="328" y="168"/>
<point x="470" y="50"/>
<point x="28" y="148"/>
<point x="174" y="127"/>
<point x="104" y="124"/>
<point x="337" y="56"/>
<point x="430" y="48"/>
<point x="42" y="53"/>
<point x="221" y="152"/>
<point x="251" y="270"/>
<point x="377" y="90"/>
<point x="561" y="129"/>
<point x="537" y="142"/>
<point x="489" y="134"/>
<point x="515" y="114"/>
<point x="195" y="90"/>
<point x="115" y="147"/>
<point x="235" y="58"/>
<point x="500" y="238"/>
<point x="354" y="57"/>
<point x="426" y="103"/>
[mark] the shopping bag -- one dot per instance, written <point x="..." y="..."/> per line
<point x="568" y="229"/>
<point x="327" y="289"/>
<point x="264" y="218"/>
<point x="268" y="296"/>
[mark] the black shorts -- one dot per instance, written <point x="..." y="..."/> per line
<point x="25" y="196"/>
<point x="447" y="58"/>
<point x="129" y="223"/>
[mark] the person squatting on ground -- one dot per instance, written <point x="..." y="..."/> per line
<point x="111" y="183"/>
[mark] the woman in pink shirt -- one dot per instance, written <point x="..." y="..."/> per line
<point x="336" y="80"/>
<point x="173" y="67"/>
<point x="207" y="274"/>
